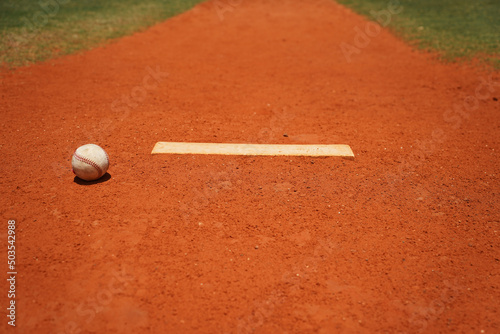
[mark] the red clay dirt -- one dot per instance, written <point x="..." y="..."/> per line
<point x="404" y="239"/>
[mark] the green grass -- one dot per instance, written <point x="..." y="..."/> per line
<point x="456" y="29"/>
<point x="76" y="25"/>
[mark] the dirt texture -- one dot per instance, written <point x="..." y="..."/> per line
<point x="403" y="239"/>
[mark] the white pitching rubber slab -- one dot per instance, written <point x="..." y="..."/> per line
<point x="254" y="149"/>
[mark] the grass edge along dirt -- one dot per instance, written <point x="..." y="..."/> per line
<point x="458" y="30"/>
<point x="37" y="30"/>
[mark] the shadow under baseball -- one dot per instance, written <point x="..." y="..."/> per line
<point x="104" y="178"/>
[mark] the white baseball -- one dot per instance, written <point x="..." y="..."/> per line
<point x="90" y="162"/>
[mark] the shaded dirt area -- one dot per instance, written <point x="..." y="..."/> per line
<point x="405" y="238"/>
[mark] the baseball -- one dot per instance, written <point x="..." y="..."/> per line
<point x="90" y="162"/>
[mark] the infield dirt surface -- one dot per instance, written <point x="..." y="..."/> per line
<point x="405" y="238"/>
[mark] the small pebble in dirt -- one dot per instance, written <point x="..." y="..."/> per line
<point x="256" y="247"/>
<point x="285" y="135"/>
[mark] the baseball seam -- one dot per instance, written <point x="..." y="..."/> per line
<point x="90" y="162"/>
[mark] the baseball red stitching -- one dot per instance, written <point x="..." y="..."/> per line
<point x="90" y="162"/>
